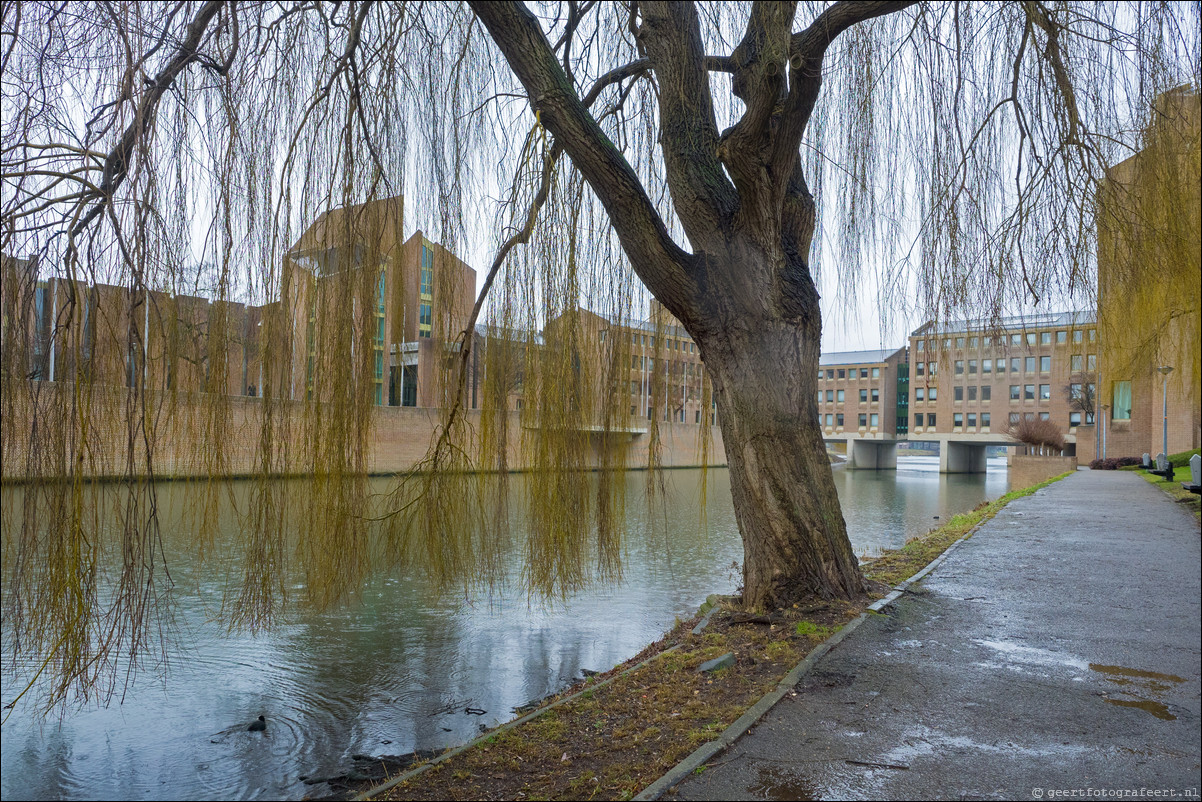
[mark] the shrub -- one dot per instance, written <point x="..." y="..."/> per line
<point x="1113" y="463"/>
<point x="1038" y="433"/>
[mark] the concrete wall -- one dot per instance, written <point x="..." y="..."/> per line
<point x="1027" y="470"/>
<point x="179" y="432"/>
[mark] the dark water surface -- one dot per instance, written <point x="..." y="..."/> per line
<point x="394" y="671"/>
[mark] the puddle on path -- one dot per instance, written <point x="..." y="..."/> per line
<point x="778" y="782"/>
<point x="1158" y="709"/>
<point x="1152" y="682"/>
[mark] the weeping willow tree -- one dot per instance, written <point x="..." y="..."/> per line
<point x="714" y="154"/>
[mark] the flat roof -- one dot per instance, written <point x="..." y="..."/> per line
<point x="1083" y="317"/>
<point x="856" y="357"/>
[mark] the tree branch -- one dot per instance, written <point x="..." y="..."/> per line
<point x="703" y="196"/>
<point x="658" y="260"/>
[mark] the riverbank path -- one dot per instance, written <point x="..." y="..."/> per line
<point x="1054" y="654"/>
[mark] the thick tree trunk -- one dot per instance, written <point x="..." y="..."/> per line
<point x="794" y="537"/>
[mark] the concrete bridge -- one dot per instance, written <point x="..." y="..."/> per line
<point x="959" y="452"/>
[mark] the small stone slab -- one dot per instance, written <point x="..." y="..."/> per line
<point x="725" y="661"/>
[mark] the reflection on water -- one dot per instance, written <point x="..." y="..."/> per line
<point x="395" y="670"/>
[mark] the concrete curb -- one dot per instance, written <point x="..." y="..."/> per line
<point x="743" y="723"/>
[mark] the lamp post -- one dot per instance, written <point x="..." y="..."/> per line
<point x="1165" y="370"/>
<point x="1104" y="407"/>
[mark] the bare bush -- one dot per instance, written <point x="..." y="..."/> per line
<point x="1038" y="433"/>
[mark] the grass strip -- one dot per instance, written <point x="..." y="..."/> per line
<point x="613" y="741"/>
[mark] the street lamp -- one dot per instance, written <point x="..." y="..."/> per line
<point x="1165" y="370"/>
<point x="1104" y="407"/>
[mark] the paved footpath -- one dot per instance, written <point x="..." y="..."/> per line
<point x="1058" y="648"/>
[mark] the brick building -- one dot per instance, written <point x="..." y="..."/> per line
<point x="1150" y="286"/>
<point x="980" y="377"/>
<point x="863" y="393"/>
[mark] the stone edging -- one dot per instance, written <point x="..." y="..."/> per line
<point x="743" y="723"/>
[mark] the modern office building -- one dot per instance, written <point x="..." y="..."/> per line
<point x="978" y="378"/>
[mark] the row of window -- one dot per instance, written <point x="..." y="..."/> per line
<point x="687" y="346"/>
<point x="1030" y="338"/>
<point x="832" y="396"/>
<point x="970" y="420"/>
<point x="865" y="420"/>
<point x="849" y="373"/>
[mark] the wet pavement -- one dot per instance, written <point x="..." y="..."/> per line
<point x="1056" y="651"/>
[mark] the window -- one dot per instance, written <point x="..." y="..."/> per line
<point x="1076" y="363"/>
<point x="1028" y="392"/>
<point x="1093" y="335"/>
<point x="1061" y="337"/>
<point x="959" y="367"/>
<point x="1016" y="365"/>
<point x="863" y="420"/>
<point x="1075" y="392"/>
<point x="1031" y="338"/>
<point x="984" y="420"/>
<point x="986" y="341"/>
<point x="863" y="373"/>
<point x="839" y="396"/>
<point x="839" y="419"/>
<point x="957" y="393"/>
<point x="1074" y="419"/>
<point x="1001" y="366"/>
<point x="1014" y="393"/>
<point x="876" y="394"/>
<point x="972" y="420"/>
<point x="863" y="396"/>
<point x="918" y="420"/>
<point x="919" y="347"/>
<point x="842" y="373"/>
<point x="1091" y="362"/>
<point x="876" y="373"/>
<point x="919" y="368"/>
<point x="931" y="420"/>
<point x="919" y="395"/>
<point x="1045" y="364"/>
<point x="1029" y="364"/>
<point x="424" y="320"/>
<point x="1045" y="338"/>
<point x="874" y="420"/>
<point x="972" y="392"/>
<point x="427" y="271"/>
<point x="1045" y="392"/>
<point x="959" y="342"/>
<point x="987" y="366"/>
<point x="931" y="368"/>
<point x="1015" y="417"/>
<point x="830" y="396"/>
<point x="958" y="419"/>
<point x="1045" y="415"/>
<point x="986" y="392"/>
<point x="947" y="343"/>
<point x="972" y="367"/>
<point x="932" y="393"/>
<point x="1121" y="401"/>
<point x="830" y="420"/>
<point x="972" y="342"/>
<point x="1016" y="339"/>
<point x="1078" y="336"/>
<point x="821" y="375"/>
<point x="830" y="374"/>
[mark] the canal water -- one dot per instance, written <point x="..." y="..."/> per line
<point x="394" y="671"/>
